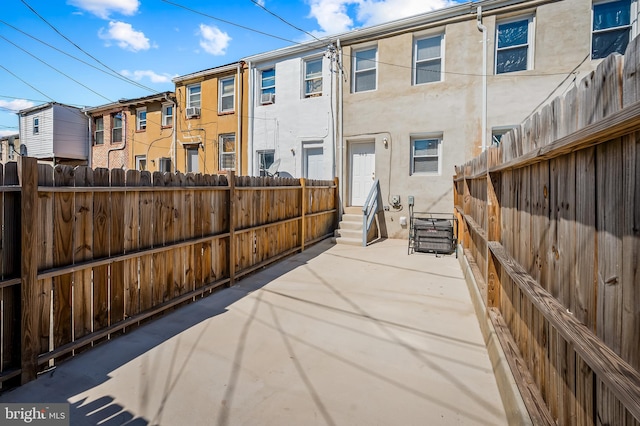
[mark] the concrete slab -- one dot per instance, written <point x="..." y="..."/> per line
<point x="337" y="335"/>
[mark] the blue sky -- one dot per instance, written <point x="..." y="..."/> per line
<point x="151" y="41"/>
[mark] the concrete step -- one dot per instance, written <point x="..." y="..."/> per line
<point x="356" y="226"/>
<point x="348" y="233"/>
<point x="347" y="217"/>
<point x="348" y="241"/>
<point x="353" y="210"/>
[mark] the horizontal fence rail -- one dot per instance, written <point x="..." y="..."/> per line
<point x="87" y="253"/>
<point x="551" y="226"/>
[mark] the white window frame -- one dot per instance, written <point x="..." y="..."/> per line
<point x="440" y="58"/>
<point x="222" y="154"/>
<point x="530" y="42"/>
<point x="306" y="77"/>
<point x="139" y="160"/>
<point x="141" y="123"/>
<point x="267" y="89"/>
<point x="167" y="118"/>
<point x="189" y="149"/>
<point x="498" y="132"/>
<point x="355" y="72"/>
<point x="96" y="130"/>
<point x="422" y="137"/>
<point x="633" y="22"/>
<point x="36" y="125"/>
<point x="260" y="153"/>
<point x="164" y="164"/>
<point x="114" y="128"/>
<point x="221" y="95"/>
<point x="191" y="97"/>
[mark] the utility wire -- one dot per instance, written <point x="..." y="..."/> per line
<point x="284" y="20"/>
<point x="54" y="68"/>
<point x="13" y="97"/>
<point x="84" y="51"/>
<point x="117" y="75"/>
<point x="39" y="91"/>
<point x="228" y="22"/>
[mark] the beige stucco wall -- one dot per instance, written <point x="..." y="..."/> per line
<point x="397" y="109"/>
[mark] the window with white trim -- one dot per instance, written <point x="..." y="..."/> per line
<point x="268" y="86"/>
<point x="227" y="152"/>
<point x="141" y="162"/>
<point x="427" y="56"/>
<point x="192" y="159"/>
<point x="116" y="127"/>
<point x="226" y="94"/>
<point x="611" y="27"/>
<point x="36" y="125"/>
<point x="265" y="160"/>
<point x="498" y="132"/>
<point x="365" y="69"/>
<point x="141" y="119"/>
<point x="193" y="96"/>
<point x="167" y="115"/>
<point x="313" y="77"/>
<point x="426" y="155"/>
<point x="514" y="47"/>
<point x="98" y="131"/>
<point x="164" y="164"/>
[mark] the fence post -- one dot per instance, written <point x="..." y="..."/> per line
<point x="303" y="185"/>
<point x="28" y="174"/>
<point x="231" y="179"/>
<point x="336" y="202"/>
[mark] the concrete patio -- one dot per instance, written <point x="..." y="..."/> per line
<point x="337" y="335"/>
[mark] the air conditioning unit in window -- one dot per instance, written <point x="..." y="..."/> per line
<point x="193" y="112"/>
<point x="267" y="98"/>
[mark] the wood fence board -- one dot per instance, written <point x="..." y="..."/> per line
<point x="585" y="410"/>
<point x="565" y="256"/>
<point x="146" y="208"/>
<point x="131" y="243"/>
<point x="117" y="235"/>
<point x="101" y="223"/>
<point x="83" y="242"/>
<point x="609" y="225"/>
<point x="11" y="258"/>
<point x="631" y="73"/>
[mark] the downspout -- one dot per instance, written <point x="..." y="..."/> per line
<point x="484" y="76"/>
<point x="340" y="121"/>
<point x="90" y="145"/>
<point x="239" y="109"/>
<point x="250" y="120"/>
<point x="332" y="99"/>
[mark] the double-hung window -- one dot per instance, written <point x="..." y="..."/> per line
<point x="265" y="160"/>
<point x="116" y="128"/>
<point x="365" y="69"/>
<point x="141" y="162"/>
<point x="428" y="59"/>
<point x="36" y="125"/>
<point x="611" y="28"/>
<point x="312" y="77"/>
<point x="514" y="50"/>
<point x="268" y="86"/>
<point x="167" y="115"/>
<point x="141" y="119"/>
<point x="98" y="131"/>
<point x="226" y="97"/>
<point x="193" y="100"/>
<point x="426" y="155"/>
<point x="227" y="156"/>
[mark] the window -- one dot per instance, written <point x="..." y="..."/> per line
<point x="193" y="96"/>
<point x="167" y="115"/>
<point x="141" y="162"/>
<point x="141" y="119"/>
<point x="227" y="151"/>
<point x="116" y="128"/>
<point x="611" y="28"/>
<point x="226" y="98"/>
<point x="98" y="133"/>
<point x="265" y="160"/>
<point x="364" y="70"/>
<point x="428" y="60"/>
<point x="313" y="77"/>
<point x="498" y="132"/>
<point x="426" y="155"/>
<point x="268" y="86"/>
<point x="36" y="125"/>
<point x="12" y="150"/>
<point x="164" y="164"/>
<point x="513" y="49"/>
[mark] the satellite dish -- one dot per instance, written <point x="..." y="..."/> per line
<point x="273" y="168"/>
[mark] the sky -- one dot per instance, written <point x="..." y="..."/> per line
<point x="93" y="52"/>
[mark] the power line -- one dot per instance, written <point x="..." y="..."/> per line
<point x="30" y="100"/>
<point x="39" y="91"/>
<point x="54" y="68"/>
<point x="82" y="50"/>
<point x="284" y="20"/>
<point x="228" y="22"/>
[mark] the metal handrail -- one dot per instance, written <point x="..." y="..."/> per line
<point x="369" y="210"/>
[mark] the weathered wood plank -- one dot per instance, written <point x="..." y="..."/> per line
<point x="132" y="243"/>
<point x="116" y="247"/>
<point x="83" y="243"/>
<point x="101" y="223"/>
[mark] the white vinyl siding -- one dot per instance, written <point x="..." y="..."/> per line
<point x="365" y="69"/>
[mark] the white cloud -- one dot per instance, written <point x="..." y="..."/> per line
<point x="260" y="2"/>
<point x="8" y="132"/>
<point x="334" y="16"/>
<point x="151" y="75"/>
<point x="102" y="8"/>
<point x="125" y="36"/>
<point x="213" y="40"/>
<point x="16" y="104"/>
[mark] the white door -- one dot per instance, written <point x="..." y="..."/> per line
<point x="363" y="166"/>
<point x="192" y="160"/>
<point x="313" y="163"/>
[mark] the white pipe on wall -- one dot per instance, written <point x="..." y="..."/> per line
<point x="484" y="76"/>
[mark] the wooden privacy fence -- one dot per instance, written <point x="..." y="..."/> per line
<point x="86" y="253"/>
<point x="551" y="226"/>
